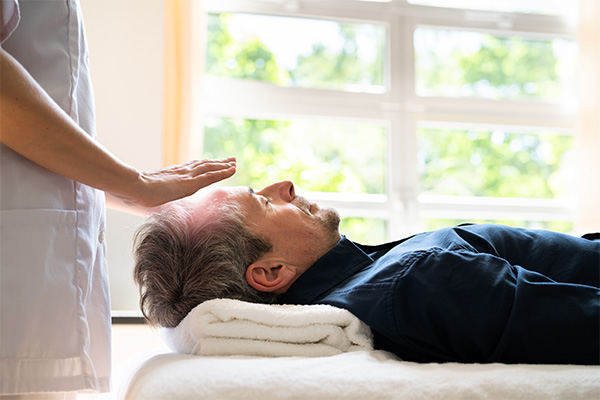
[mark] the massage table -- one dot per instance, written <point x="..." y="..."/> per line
<point x="355" y="375"/>
<point x="207" y="363"/>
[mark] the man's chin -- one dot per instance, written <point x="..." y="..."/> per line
<point x="331" y="220"/>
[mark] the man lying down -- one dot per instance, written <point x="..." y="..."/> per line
<point x="471" y="294"/>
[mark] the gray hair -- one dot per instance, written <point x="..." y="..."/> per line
<point x="182" y="261"/>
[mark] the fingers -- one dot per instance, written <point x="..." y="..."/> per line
<point x="196" y="167"/>
<point x="207" y="172"/>
<point x="210" y="177"/>
<point x="199" y="167"/>
<point x="210" y="162"/>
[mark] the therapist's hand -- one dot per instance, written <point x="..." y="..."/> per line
<point x="155" y="188"/>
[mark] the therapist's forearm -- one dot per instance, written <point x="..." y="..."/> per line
<point x="33" y="125"/>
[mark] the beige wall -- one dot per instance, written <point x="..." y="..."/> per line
<point x="126" y="56"/>
<point x="588" y="121"/>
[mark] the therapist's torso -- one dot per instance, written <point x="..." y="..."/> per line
<point x="55" y="311"/>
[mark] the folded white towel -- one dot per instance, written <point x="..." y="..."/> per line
<point x="231" y="327"/>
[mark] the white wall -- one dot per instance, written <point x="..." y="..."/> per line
<point x="126" y="40"/>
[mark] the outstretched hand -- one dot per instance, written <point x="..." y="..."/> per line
<point x="155" y="188"/>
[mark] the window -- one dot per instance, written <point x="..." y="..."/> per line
<point x="297" y="52"/>
<point x="461" y="63"/>
<point x="305" y="151"/>
<point x="402" y="115"/>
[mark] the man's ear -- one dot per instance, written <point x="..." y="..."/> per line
<point x="267" y="276"/>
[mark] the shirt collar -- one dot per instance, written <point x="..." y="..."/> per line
<point x="343" y="260"/>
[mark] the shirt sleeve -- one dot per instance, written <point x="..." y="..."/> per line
<point x="9" y="18"/>
<point x="472" y="307"/>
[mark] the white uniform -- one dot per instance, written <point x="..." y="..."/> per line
<point x="54" y="298"/>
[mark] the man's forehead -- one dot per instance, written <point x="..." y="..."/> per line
<point x="207" y="201"/>
<point x="220" y="195"/>
<point x="231" y="192"/>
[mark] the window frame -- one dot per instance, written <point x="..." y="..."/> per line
<point x="399" y="108"/>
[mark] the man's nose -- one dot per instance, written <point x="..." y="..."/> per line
<point x="283" y="190"/>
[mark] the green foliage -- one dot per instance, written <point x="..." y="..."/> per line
<point x="227" y="57"/>
<point x="325" y="67"/>
<point x="470" y="64"/>
<point x="365" y="230"/>
<point x="496" y="164"/>
<point x="502" y="61"/>
<point x="308" y="153"/>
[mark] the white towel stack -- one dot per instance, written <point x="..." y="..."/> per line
<point x="224" y="327"/>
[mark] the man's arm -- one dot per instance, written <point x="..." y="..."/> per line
<point x="33" y="125"/>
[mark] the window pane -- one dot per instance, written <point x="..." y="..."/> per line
<point x="364" y="230"/>
<point x="452" y="63"/>
<point x="297" y="52"/>
<point x="317" y="156"/>
<point x="495" y="163"/>
<point x="566" y="8"/>
<point x="556" y="226"/>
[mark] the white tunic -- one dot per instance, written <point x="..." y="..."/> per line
<point x="54" y="299"/>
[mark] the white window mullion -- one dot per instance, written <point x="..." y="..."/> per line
<point x="486" y="208"/>
<point x="403" y="179"/>
<point x="506" y="112"/>
<point x="411" y="167"/>
<point x="265" y="99"/>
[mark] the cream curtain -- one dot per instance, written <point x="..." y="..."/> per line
<point x="183" y="67"/>
<point x="587" y="139"/>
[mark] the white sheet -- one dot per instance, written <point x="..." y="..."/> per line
<point x="355" y="375"/>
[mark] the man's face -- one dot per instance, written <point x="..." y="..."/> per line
<point x="300" y="231"/>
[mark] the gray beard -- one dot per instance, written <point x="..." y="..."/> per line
<point x="330" y="219"/>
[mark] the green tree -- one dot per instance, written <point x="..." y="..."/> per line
<point x="306" y="152"/>
<point x="470" y="64"/>
<point x="496" y="164"/>
<point x="227" y="57"/>
<point x="326" y="67"/>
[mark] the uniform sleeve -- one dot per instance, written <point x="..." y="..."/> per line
<point x="9" y="18"/>
<point x="472" y="307"/>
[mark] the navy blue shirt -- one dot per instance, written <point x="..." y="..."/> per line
<point x="476" y="293"/>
